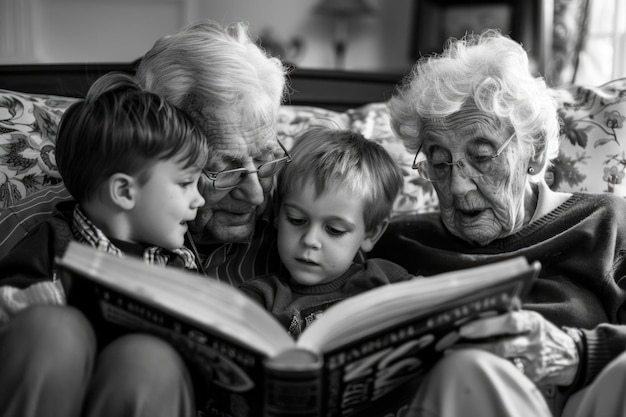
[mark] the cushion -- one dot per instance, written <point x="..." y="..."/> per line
<point x="592" y="157"/>
<point x="28" y="125"/>
<point x="593" y="143"/>
<point x="372" y="121"/>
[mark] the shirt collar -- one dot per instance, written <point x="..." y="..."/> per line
<point x="85" y="231"/>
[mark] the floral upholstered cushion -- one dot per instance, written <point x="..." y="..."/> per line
<point x="592" y="157"/>
<point x="593" y="142"/>
<point x="372" y="121"/>
<point x="28" y="125"/>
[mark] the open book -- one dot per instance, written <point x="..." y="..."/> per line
<point x="364" y="356"/>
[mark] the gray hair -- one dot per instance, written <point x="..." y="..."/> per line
<point x="491" y="71"/>
<point x="220" y="68"/>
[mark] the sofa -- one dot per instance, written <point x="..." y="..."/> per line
<point x="33" y="98"/>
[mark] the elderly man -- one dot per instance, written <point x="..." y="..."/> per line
<point x="52" y="364"/>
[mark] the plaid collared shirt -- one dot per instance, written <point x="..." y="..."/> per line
<point x="86" y="232"/>
<point x="13" y="300"/>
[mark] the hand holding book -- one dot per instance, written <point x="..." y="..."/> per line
<point x="505" y="333"/>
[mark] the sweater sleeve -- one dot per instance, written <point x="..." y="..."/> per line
<point x="260" y="290"/>
<point x="18" y="220"/>
<point x="13" y="300"/>
<point x="26" y="273"/>
<point x="602" y="344"/>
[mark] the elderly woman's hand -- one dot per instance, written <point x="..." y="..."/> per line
<point x="548" y="354"/>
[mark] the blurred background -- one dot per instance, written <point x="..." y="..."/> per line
<point x="569" y="41"/>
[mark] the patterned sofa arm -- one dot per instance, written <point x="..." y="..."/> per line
<point x="28" y="125"/>
<point x="593" y="142"/>
<point x="592" y="157"/>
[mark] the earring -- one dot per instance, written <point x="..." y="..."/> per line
<point x="531" y="170"/>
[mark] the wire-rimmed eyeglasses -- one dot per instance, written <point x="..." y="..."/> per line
<point x="230" y="178"/>
<point x="480" y="165"/>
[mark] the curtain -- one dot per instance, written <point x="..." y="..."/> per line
<point x="570" y="29"/>
<point x="603" y="57"/>
<point x="16" y="32"/>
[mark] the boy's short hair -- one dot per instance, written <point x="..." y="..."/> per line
<point x="346" y="159"/>
<point x="119" y="127"/>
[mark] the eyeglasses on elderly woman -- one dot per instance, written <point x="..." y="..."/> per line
<point x="230" y="178"/>
<point x="438" y="167"/>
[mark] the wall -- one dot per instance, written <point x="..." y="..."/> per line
<point x="122" y="30"/>
<point x="379" y="42"/>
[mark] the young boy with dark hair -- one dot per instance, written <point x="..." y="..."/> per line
<point x="335" y="199"/>
<point x="132" y="163"/>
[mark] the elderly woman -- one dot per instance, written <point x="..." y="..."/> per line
<point x="483" y="130"/>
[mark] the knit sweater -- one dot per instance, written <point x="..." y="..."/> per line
<point x="296" y="306"/>
<point x="581" y="246"/>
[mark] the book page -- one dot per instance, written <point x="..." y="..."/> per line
<point x="206" y="302"/>
<point x="376" y="310"/>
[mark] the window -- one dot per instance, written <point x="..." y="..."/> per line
<point x="603" y="57"/>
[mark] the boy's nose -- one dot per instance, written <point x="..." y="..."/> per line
<point x="198" y="201"/>
<point x="310" y="239"/>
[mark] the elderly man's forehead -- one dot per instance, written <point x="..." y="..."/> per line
<point x="220" y="122"/>
<point x="257" y="132"/>
<point x="234" y="135"/>
<point x="240" y="142"/>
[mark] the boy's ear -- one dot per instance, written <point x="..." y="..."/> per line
<point x="122" y="190"/>
<point x="372" y="236"/>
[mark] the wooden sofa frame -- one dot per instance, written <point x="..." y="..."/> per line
<point x="331" y="89"/>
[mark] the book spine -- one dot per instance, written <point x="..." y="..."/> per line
<point x="293" y="385"/>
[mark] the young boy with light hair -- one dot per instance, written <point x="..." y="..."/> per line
<point x="335" y="200"/>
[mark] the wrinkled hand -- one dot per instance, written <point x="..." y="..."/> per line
<point x="548" y="353"/>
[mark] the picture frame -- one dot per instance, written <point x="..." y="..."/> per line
<point x="436" y="21"/>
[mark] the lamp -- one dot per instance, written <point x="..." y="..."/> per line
<point x="341" y="11"/>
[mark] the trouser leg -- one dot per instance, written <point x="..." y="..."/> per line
<point x="140" y="375"/>
<point x="47" y="356"/>
<point x="605" y="397"/>
<point x="477" y="383"/>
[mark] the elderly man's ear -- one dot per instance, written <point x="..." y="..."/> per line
<point x="122" y="190"/>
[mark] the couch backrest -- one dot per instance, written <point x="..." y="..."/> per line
<point x="592" y="157"/>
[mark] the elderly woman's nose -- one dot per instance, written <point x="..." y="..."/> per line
<point x="460" y="183"/>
